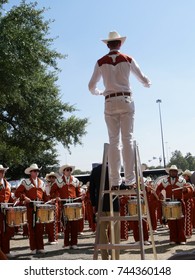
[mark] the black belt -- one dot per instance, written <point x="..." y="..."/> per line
<point x="118" y="94"/>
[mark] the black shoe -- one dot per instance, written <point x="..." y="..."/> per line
<point x="122" y="186"/>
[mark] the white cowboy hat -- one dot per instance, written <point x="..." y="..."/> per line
<point x="66" y="166"/>
<point x="114" y="36"/>
<point x="33" y="166"/>
<point x="149" y="179"/>
<point x="173" y="167"/>
<point x="187" y="172"/>
<point x="50" y="174"/>
<point x="3" y="168"/>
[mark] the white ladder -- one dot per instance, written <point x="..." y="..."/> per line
<point x="113" y="219"/>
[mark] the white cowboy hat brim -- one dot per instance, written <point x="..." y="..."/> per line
<point x="3" y="168"/>
<point x="32" y="167"/>
<point x="122" y="39"/>
<point x="51" y="174"/>
<point x="114" y="36"/>
<point x="187" y="172"/>
<point x="66" y="166"/>
<point x="178" y="170"/>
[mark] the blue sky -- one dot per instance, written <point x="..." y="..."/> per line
<point x="161" y="38"/>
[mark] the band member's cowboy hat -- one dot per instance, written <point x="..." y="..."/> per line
<point x="65" y="167"/>
<point x="173" y="167"/>
<point x="149" y="179"/>
<point x="3" y="168"/>
<point x="187" y="172"/>
<point x="33" y="166"/>
<point x="51" y="174"/>
<point x="114" y="36"/>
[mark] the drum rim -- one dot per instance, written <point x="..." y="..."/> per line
<point x="73" y="204"/>
<point x="45" y="206"/>
<point x="172" y="202"/>
<point x="16" y="208"/>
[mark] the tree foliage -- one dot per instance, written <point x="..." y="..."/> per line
<point x="183" y="162"/>
<point x="33" y="119"/>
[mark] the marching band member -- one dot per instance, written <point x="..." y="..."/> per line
<point x="29" y="191"/>
<point x="82" y="221"/>
<point x="174" y="187"/>
<point x="68" y="187"/>
<point x="135" y="224"/>
<point x="5" y="231"/>
<point x="189" y="204"/>
<point x="152" y="202"/>
<point x="90" y="216"/>
<point x="52" y="228"/>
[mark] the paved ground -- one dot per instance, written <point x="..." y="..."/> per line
<point x="20" y="248"/>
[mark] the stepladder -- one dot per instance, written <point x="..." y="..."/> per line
<point x="111" y="219"/>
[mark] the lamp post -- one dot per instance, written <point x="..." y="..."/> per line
<point x="159" y="101"/>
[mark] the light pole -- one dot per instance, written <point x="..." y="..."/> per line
<point x="163" y="149"/>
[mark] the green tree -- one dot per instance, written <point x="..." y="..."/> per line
<point x="183" y="162"/>
<point x="178" y="160"/>
<point x="191" y="161"/>
<point x="33" y="119"/>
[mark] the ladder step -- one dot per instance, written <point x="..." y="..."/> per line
<point x="120" y="192"/>
<point x="117" y="246"/>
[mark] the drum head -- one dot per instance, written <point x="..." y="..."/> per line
<point x="19" y="208"/>
<point x="173" y="203"/>
<point x="45" y="206"/>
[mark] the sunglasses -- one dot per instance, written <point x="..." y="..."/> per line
<point x="34" y="170"/>
<point x="68" y="169"/>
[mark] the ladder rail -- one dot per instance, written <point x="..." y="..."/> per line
<point x="147" y="207"/>
<point x="100" y="200"/>
<point x="141" y="237"/>
<point x="112" y="223"/>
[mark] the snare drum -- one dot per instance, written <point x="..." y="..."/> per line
<point x="16" y="216"/>
<point x="44" y="213"/>
<point x="133" y="207"/>
<point x="172" y="210"/>
<point x="73" y="211"/>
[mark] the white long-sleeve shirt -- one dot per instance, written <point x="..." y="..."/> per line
<point x="115" y="68"/>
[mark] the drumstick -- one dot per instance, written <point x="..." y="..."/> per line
<point x="178" y="189"/>
<point x="49" y="201"/>
<point x="71" y="199"/>
<point x="77" y="198"/>
<point x="17" y="200"/>
<point x="155" y="194"/>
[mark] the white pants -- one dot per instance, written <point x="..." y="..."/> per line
<point x="119" y="117"/>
